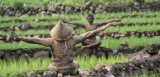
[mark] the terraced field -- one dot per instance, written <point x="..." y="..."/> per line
<point x="40" y="3"/>
<point x="132" y="23"/>
<point x="136" y="29"/>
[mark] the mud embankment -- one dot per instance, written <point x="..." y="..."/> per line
<point x="116" y="35"/>
<point x="62" y="9"/>
<point x="27" y="26"/>
<point x="70" y="19"/>
<point x="45" y="52"/>
<point x="130" y="69"/>
<point x="127" y="69"/>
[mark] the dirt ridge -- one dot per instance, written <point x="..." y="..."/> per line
<point x="62" y="9"/>
<point x="16" y="53"/>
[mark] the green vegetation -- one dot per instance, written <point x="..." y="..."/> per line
<point x="152" y="74"/>
<point x="132" y="42"/>
<point x="14" y="67"/>
<point x="16" y="45"/>
<point x="30" y="32"/>
<point x="92" y="61"/>
<point x="80" y="31"/>
<point x="109" y="43"/>
<point x="31" y="23"/>
<point x="127" y="28"/>
<point x="134" y="28"/>
<point x="80" y="19"/>
<point x="79" y="15"/>
<point x="40" y="3"/>
<point x="136" y="20"/>
<point x="23" y="66"/>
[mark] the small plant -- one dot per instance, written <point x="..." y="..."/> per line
<point x="19" y="4"/>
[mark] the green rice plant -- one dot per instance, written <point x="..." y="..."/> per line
<point x="108" y="43"/>
<point x="91" y="61"/>
<point x="4" y="33"/>
<point x="81" y="19"/>
<point x="136" y="20"/>
<point x="30" y="32"/>
<point x="132" y="42"/>
<point x="26" y="32"/>
<point x="145" y="74"/>
<point x="15" y="45"/>
<point x="27" y="3"/>
<point x="18" y="4"/>
<point x="10" y="24"/>
<point x="77" y="16"/>
<point x="41" y="3"/>
<point x="83" y="16"/>
<point x="112" y="29"/>
<point x="31" y="23"/>
<point x="126" y="28"/>
<point x="13" y="67"/>
<point x="124" y="20"/>
<point x="134" y="28"/>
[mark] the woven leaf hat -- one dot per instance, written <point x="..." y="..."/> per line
<point x="90" y="15"/>
<point x="61" y="32"/>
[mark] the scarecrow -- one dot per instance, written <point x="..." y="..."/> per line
<point x="62" y="43"/>
<point x="92" y="42"/>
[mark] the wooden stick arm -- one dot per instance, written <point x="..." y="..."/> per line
<point x="33" y="40"/>
<point x="106" y="22"/>
<point x="89" y="34"/>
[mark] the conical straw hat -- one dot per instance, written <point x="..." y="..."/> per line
<point x="61" y="32"/>
<point x="90" y="14"/>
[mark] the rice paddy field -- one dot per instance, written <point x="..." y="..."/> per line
<point x="138" y="29"/>
<point x="41" y="3"/>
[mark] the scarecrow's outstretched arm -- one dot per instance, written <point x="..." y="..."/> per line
<point x="106" y="22"/>
<point x="33" y="40"/>
<point x="77" y="25"/>
<point x="89" y="34"/>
